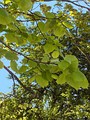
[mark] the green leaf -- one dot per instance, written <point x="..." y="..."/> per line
<point x="73" y="62"/>
<point x="61" y="79"/>
<point x="1" y="65"/>
<point x="77" y="79"/>
<point x="11" y="37"/>
<point x="71" y="58"/>
<point x="7" y="1"/>
<point x="32" y="64"/>
<point x="45" y="58"/>
<point x="32" y="79"/>
<point x="23" y="69"/>
<point x="13" y="66"/>
<point x="5" y="18"/>
<point x="2" y="52"/>
<point x="41" y="81"/>
<point x="18" y="39"/>
<point x="47" y="75"/>
<point x="11" y="56"/>
<point x="59" y="31"/>
<point x="49" y="15"/>
<point x="63" y="65"/>
<point x="48" y="48"/>
<point x="54" y="76"/>
<point x="25" y="4"/>
<point x="55" y="54"/>
<point x="54" y="69"/>
<point x="41" y="26"/>
<point x="68" y="25"/>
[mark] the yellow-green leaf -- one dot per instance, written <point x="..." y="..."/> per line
<point x="32" y="79"/>
<point x="23" y="69"/>
<point x="41" y="81"/>
<point x="68" y="25"/>
<point x="63" y="65"/>
<point x="48" y="48"/>
<point x="5" y="18"/>
<point x="7" y="1"/>
<point x="45" y="58"/>
<point x="59" y="31"/>
<point x="25" y="4"/>
<point x="61" y="79"/>
<point x="55" y="54"/>
<point x="13" y="66"/>
<point x="77" y="79"/>
<point x="1" y="65"/>
<point x="11" y="56"/>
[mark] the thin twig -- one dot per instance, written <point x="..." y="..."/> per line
<point x="19" y="53"/>
<point x="16" y="78"/>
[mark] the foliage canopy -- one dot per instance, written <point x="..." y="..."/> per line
<point x="48" y="47"/>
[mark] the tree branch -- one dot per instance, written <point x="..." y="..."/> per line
<point x="16" y="78"/>
<point x="19" y="53"/>
<point x="72" y="2"/>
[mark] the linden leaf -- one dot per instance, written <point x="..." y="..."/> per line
<point x="32" y="79"/>
<point x="49" y="15"/>
<point x="1" y="65"/>
<point x="68" y="25"/>
<point x="63" y="65"/>
<point x="25" y="5"/>
<point x="77" y="79"/>
<point x="73" y="62"/>
<point x="7" y="1"/>
<point x="13" y="66"/>
<point x="5" y="18"/>
<point x="41" y="26"/>
<point x="32" y="64"/>
<point x="11" y="56"/>
<point x="48" y="48"/>
<point x="59" y="31"/>
<point x="41" y="81"/>
<point x="45" y="58"/>
<point x="71" y="58"/>
<point x="23" y="69"/>
<point x="55" y="54"/>
<point x="61" y="79"/>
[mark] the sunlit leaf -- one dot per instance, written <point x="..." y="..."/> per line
<point x="25" y="4"/>
<point x="73" y="62"/>
<point x="71" y="58"/>
<point x="48" y="48"/>
<point x="7" y="1"/>
<point x="32" y="79"/>
<point x="11" y="56"/>
<point x="5" y="18"/>
<point x="77" y="79"/>
<point x="63" y="65"/>
<point x="32" y="64"/>
<point x="68" y="25"/>
<point x="49" y="15"/>
<point x="1" y="65"/>
<point x="59" y="31"/>
<point x="41" y="81"/>
<point x="45" y="58"/>
<point x="13" y="66"/>
<point x="61" y="79"/>
<point x="54" y="76"/>
<point x="55" y="54"/>
<point x="23" y="69"/>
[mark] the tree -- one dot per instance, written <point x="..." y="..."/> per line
<point x="49" y="50"/>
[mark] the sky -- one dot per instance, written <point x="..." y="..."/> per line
<point x="5" y="83"/>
